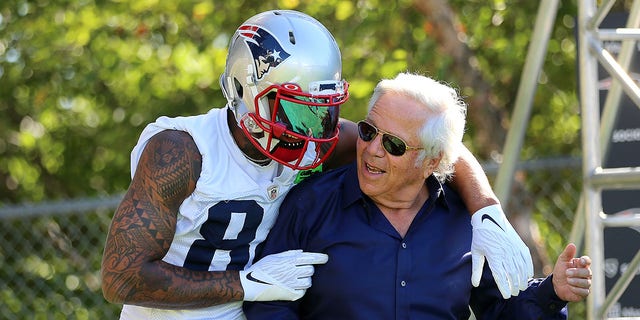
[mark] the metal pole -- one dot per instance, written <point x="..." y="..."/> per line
<point x="612" y="66"/>
<point x="612" y="103"/>
<point x="528" y="82"/>
<point x="589" y="101"/>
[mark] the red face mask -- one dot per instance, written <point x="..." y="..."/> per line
<point x="299" y="122"/>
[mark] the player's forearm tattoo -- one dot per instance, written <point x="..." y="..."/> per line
<point x="145" y="226"/>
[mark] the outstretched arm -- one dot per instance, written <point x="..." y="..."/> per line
<point x="493" y="236"/>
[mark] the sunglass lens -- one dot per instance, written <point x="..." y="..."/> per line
<point x="366" y="131"/>
<point x="393" y="145"/>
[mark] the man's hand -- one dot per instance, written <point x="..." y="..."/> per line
<point x="509" y="258"/>
<point x="572" y="276"/>
<point x="280" y="276"/>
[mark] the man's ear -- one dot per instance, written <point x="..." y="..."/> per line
<point x="431" y="165"/>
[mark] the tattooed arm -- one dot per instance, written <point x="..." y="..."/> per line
<point x="144" y="225"/>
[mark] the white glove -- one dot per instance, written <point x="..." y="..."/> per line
<point x="508" y="256"/>
<point x="280" y="276"/>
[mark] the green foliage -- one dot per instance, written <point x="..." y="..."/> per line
<point x="80" y="79"/>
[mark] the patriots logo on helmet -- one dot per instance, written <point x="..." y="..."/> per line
<point x="266" y="50"/>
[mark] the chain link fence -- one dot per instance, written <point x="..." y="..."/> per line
<point x="50" y="253"/>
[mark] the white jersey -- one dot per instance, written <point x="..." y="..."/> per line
<point x="233" y="207"/>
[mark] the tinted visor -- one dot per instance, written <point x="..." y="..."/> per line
<point x="310" y="117"/>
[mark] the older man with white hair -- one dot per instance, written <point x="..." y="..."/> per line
<point x="399" y="240"/>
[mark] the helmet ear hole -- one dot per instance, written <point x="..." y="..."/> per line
<point x="292" y="38"/>
<point x="238" y="87"/>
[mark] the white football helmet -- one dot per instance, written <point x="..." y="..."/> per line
<point x="291" y="59"/>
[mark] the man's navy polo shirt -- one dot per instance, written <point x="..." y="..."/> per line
<point x="374" y="273"/>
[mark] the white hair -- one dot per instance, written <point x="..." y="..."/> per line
<point x="440" y="134"/>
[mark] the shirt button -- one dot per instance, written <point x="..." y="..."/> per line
<point x="402" y="283"/>
<point x="404" y="245"/>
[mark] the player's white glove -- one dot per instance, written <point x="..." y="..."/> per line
<point x="508" y="256"/>
<point x="280" y="276"/>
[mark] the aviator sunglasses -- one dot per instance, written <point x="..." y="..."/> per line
<point x="391" y="143"/>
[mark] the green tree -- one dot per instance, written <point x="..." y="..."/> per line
<point x="79" y="79"/>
